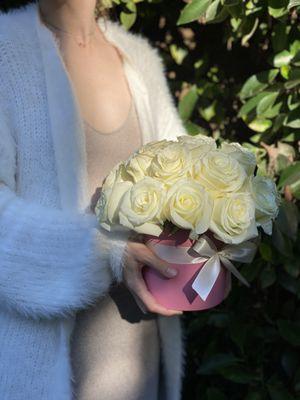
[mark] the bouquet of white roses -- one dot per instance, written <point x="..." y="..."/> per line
<point x="192" y="184"/>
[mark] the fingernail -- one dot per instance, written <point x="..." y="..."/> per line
<point x="172" y="272"/>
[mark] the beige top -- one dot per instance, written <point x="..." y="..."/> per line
<point x="105" y="150"/>
<point x="115" y="348"/>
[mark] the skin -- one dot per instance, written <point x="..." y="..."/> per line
<point x="96" y="73"/>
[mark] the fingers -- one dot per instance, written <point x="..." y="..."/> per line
<point x="138" y="255"/>
<point x="140" y="289"/>
<point x="148" y="257"/>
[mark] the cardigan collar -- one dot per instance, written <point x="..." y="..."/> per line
<point x="66" y="122"/>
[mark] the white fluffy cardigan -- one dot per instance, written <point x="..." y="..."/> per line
<point x="53" y="258"/>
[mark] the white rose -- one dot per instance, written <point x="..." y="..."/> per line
<point x="233" y="218"/>
<point x="267" y="201"/>
<point x="242" y="155"/>
<point x="170" y="163"/>
<point x="108" y="204"/>
<point x="189" y="206"/>
<point x="219" y="173"/>
<point x="151" y="148"/>
<point x="117" y="174"/>
<point x="141" y="207"/>
<point x="136" y="167"/>
<point x="198" y="145"/>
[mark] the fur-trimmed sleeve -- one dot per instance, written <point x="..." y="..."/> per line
<point x="52" y="262"/>
<point x="166" y="116"/>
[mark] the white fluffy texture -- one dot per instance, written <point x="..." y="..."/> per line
<point x="52" y="261"/>
<point x="53" y="258"/>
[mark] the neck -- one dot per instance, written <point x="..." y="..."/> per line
<point x="75" y="16"/>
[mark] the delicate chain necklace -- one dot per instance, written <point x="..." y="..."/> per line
<point x="73" y="36"/>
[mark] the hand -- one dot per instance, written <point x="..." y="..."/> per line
<point x="136" y="255"/>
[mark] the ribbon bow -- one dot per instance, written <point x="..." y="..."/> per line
<point x="207" y="250"/>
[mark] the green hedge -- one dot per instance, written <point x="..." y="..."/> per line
<point x="234" y="67"/>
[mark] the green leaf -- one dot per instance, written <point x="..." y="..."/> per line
<point x="239" y="375"/>
<point x="292" y="119"/>
<point x="273" y="111"/>
<point x="281" y="162"/>
<point x="235" y="23"/>
<point x="290" y="175"/>
<point x="287" y="219"/>
<point x="295" y="47"/>
<point x="267" y="277"/>
<point x="256" y="138"/>
<point x="220" y="13"/>
<point x="250" y="271"/>
<point x="295" y="189"/>
<point x="215" y="394"/>
<point x="252" y="9"/>
<point x="178" y="53"/>
<point x="285" y="71"/>
<point x="257" y="83"/>
<point x="251" y="104"/>
<point x="289" y="283"/>
<point x="218" y="320"/>
<point x="279" y="37"/>
<point x="292" y="84"/>
<point x="292" y="268"/>
<point x="187" y="103"/>
<point x="215" y="362"/>
<point x="212" y="10"/>
<point x="278" y="122"/>
<point x="293" y="3"/>
<point x="281" y="242"/>
<point x="238" y="333"/>
<point x="266" y="103"/>
<point x="290" y="331"/>
<point x="260" y="124"/>
<point x="208" y="112"/>
<point x="265" y="251"/>
<point x="292" y="101"/>
<point x="194" y="129"/>
<point x="193" y="11"/>
<point x="295" y="73"/>
<point x="277" y="8"/>
<point x="254" y="396"/>
<point x="128" y="18"/>
<point x="296" y="59"/>
<point x="289" y="362"/>
<point x="278" y="393"/>
<point x="230" y="3"/>
<point x="282" y="58"/>
<point x="294" y="78"/>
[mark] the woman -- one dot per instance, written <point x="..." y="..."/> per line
<point x="54" y="258"/>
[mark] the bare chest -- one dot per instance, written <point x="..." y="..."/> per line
<point x="97" y="74"/>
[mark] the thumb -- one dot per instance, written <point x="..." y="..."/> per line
<point x="163" y="266"/>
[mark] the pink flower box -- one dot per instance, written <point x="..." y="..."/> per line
<point x="177" y="293"/>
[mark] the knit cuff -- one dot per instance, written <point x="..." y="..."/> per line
<point x="114" y="245"/>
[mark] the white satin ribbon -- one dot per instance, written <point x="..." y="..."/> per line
<point x="208" y="253"/>
<point x="207" y="276"/>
